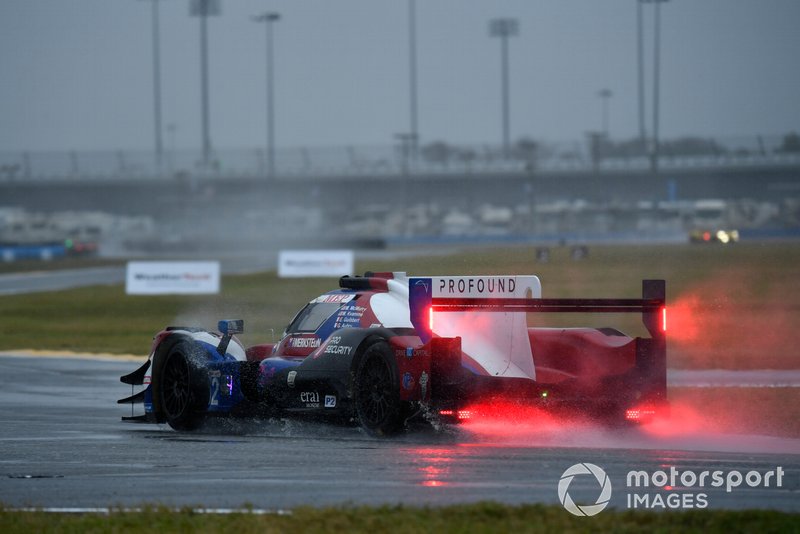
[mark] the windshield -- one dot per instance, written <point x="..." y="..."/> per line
<point x="312" y="316"/>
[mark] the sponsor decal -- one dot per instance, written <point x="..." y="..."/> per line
<point x="330" y="401"/>
<point x="334" y="348"/>
<point x="411" y="353"/>
<point x="408" y="381"/>
<point x="304" y="342"/>
<point x="338" y="349"/>
<point x="349" y="316"/>
<point x="310" y="398"/>
<point x="478" y="285"/>
<point x="423" y="383"/>
<point x="481" y="287"/>
<point x="335" y="298"/>
<point x="290" y="378"/>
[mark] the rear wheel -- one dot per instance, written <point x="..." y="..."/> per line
<point x="183" y="388"/>
<point x="376" y="391"/>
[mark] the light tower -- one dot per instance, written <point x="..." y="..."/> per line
<point x="159" y="146"/>
<point x="204" y="9"/>
<point x="269" y="19"/>
<point x="605" y="95"/>
<point x="504" y="28"/>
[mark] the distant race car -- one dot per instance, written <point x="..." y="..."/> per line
<point x="716" y="236"/>
<point x="384" y="348"/>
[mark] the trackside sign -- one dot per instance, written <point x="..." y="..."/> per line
<point x="172" y="278"/>
<point x="323" y="263"/>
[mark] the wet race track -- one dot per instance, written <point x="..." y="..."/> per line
<point x="63" y="446"/>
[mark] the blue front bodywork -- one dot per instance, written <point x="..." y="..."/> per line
<point x="224" y="382"/>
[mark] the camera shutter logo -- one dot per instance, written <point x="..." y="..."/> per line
<point x="587" y="509"/>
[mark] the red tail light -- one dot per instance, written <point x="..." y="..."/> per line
<point x="461" y="414"/>
<point x="664" y="319"/>
<point x="639" y="414"/>
<point x="430" y="318"/>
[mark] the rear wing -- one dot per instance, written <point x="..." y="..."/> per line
<point x="493" y="324"/>
<point x="425" y="300"/>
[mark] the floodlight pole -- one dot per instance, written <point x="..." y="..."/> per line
<point x="204" y="9"/>
<point x="204" y="87"/>
<point x="412" y="78"/>
<point x="407" y="142"/>
<point x="654" y="153"/>
<point x="504" y="28"/>
<point x="656" y="83"/>
<point x="605" y="95"/>
<point x="159" y="146"/>
<point x="157" y="87"/>
<point x="640" y="81"/>
<point x="268" y="19"/>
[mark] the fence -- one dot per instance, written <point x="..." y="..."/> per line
<point x="595" y="154"/>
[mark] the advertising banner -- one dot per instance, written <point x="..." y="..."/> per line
<point x="315" y="263"/>
<point x="172" y="278"/>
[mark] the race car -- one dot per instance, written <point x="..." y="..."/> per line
<point x="385" y="348"/>
<point x="718" y="236"/>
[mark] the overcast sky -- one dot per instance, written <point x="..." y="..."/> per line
<point x="77" y="74"/>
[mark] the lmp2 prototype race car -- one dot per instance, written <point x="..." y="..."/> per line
<point x="384" y="348"/>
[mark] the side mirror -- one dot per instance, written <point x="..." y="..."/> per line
<point x="227" y="329"/>
<point x="231" y="327"/>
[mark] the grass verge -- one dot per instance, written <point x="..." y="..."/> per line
<point x="730" y="307"/>
<point x="69" y="262"/>
<point x="480" y="517"/>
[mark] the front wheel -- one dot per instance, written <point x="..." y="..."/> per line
<point x="183" y="388"/>
<point x="376" y="391"/>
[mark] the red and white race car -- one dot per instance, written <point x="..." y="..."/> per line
<point x="384" y="348"/>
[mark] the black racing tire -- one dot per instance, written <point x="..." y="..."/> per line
<point x="183" y="390"/>
<point x="248" y="377"/>
<point x="376" y="391"/>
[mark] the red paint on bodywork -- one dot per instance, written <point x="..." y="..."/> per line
<point x="563" y="353"/>
<point x="417" y="363"/>
<point x="256" y="353"/>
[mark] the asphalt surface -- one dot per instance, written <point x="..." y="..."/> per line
<point x="37" y="281"/>
<point x="63" y="446"/>
<point x="233" y="263"/>
<point x="56" y="280"/>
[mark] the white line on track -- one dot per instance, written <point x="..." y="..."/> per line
<point x="725" y="378"/>
<point x="109" y="511"/>
<point x="65" y="354"/>
<point x="689" y="378"/>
